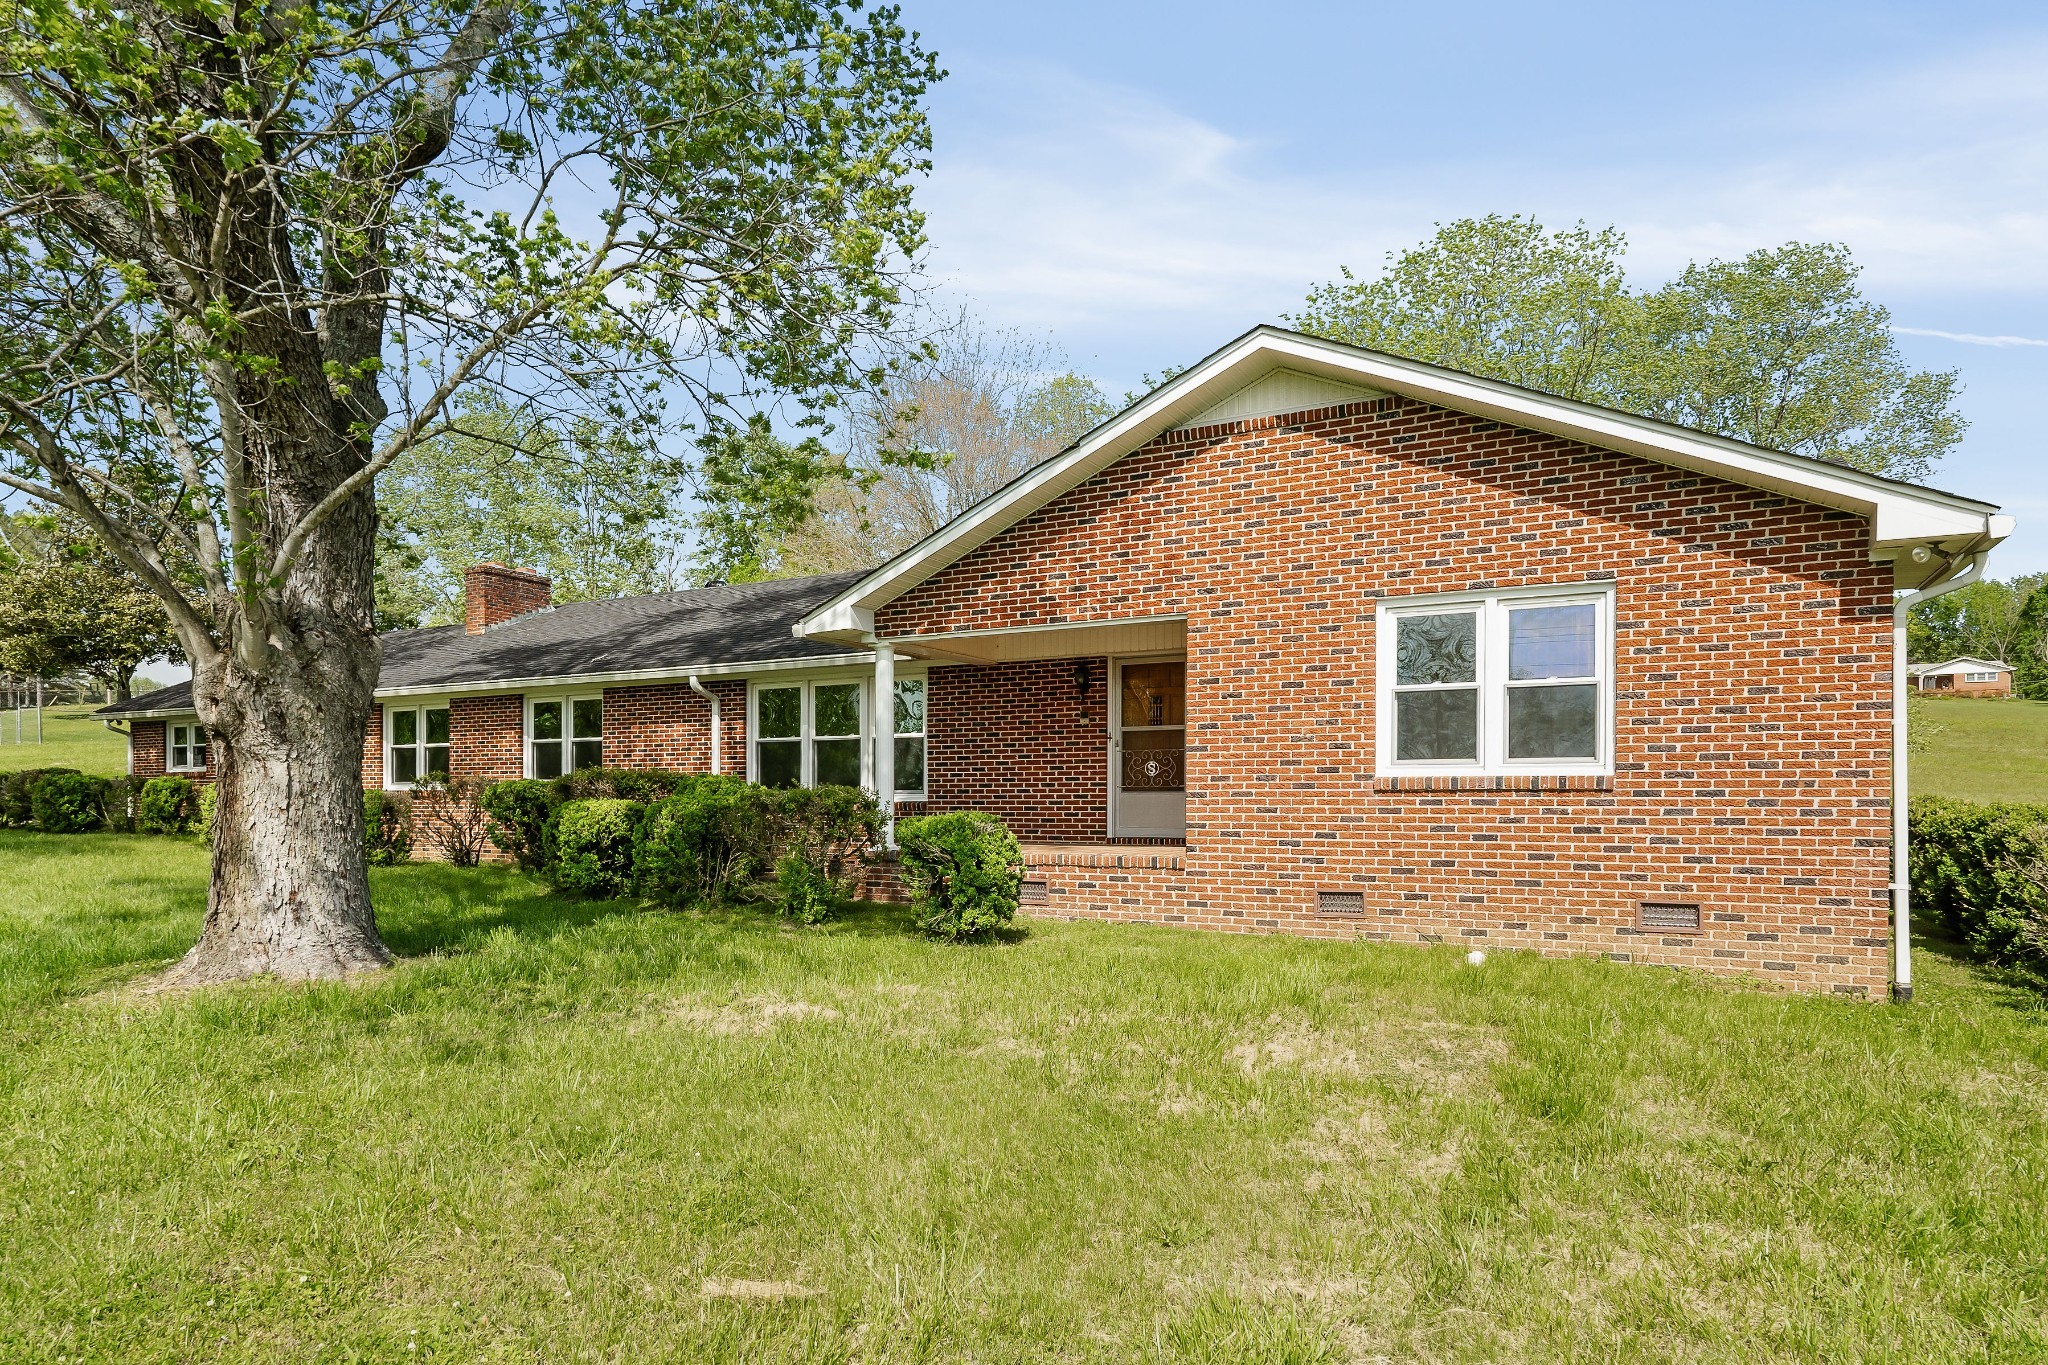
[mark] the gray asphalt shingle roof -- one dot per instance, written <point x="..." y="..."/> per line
<point x="698" y="628"/>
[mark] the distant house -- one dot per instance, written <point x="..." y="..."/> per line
<point x="1963" y="677"/>
<point x="1310" y="640"/>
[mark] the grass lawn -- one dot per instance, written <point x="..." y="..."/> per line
<point x="1981" y="750"/>
<point x="575" y="1131"/>
<point x="71" y="739"/>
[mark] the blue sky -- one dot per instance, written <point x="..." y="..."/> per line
<point x="1137" y="183"/>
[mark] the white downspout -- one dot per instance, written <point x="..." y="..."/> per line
<point x="717" y="731"/>
<point x="1902" y="874"/>
<point x="883" y="727"/>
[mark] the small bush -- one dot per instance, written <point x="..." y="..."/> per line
<point x="803" y="892"/>
<point x="119" y="799"/>
<point x="519" y="809"/>
<point x="387" y="827"/>
<point x="1983" y="868"/>
<point x="709" y="842"/>
<point x="17" y="810"/>
<point x="592" y="842"/>
<point x="209" y="802"/>
<point x="620" y="784"/>
<point x="67" y="803"/>
<point x="449" y="819"/>
<point x="166" y="805"/>
<point x="963" y="871"/>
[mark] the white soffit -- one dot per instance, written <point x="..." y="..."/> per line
<point x="1899" y="514"/>
<point x="1284" y="390"/>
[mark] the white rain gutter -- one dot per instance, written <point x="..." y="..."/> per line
<point x="1902" y="872"/>
<point x="716" y="730"/>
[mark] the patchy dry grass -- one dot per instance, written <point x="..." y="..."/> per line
<point x="571" y="1131"/>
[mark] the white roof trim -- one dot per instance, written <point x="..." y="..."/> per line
<point x="1900" y="514"/>
<point x="1963" y="665"/>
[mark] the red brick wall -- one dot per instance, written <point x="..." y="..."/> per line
<point x="669" y="726"/>
<point x="373" y="750"/>
<point x="1952" y="685"/>
<point x="1019" y="740"/>
<point x="487" y="737"/>
<point x="1752" y="688"/>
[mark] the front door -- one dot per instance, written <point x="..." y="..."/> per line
<point x="1148" y="750"/>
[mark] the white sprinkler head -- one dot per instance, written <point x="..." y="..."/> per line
<point x="1476" y="958"/>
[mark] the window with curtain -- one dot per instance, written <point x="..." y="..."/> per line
<point x="564" y="735"/>
<point x="1495" y="683"/>
<point x="909" y="737"/>
<point x="187" y="749"/>
<point x="418" y="749"/>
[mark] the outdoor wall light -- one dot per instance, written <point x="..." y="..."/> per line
<point x="1081" y="677"/>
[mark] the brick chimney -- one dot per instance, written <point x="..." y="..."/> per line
<point x="493" y="594"/>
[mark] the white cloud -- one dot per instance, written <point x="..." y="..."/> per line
<point x="1969" y="338"/>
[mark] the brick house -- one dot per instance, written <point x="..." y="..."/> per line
<point x="1963" y="678"/>
<point x="1311" y="640"/>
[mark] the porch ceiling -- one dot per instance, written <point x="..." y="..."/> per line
<point x="1067" y="640"/>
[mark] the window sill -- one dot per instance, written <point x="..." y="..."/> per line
<point x="1493" y="782"/>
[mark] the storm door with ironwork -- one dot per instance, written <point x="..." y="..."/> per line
<point x="1148" y="750"/>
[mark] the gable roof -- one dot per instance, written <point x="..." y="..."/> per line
<point x="1962" y="665"/>
<point x="739" y="627"/>
<point x="1902" y="515"/>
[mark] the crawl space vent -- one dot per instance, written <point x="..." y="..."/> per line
<point x="1340" y="902"/>
<point x="1031" y="893"/>
<point x="1669" y="917"/>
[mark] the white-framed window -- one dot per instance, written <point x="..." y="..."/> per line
<point x="415" y="744"/>
<point x="186" y="748"/>
<point x="808" y="733"/>
<point x="910" y="738"/>
<point x="563" y="734"/>
<point x="1515" y="681"/>
<point x="1980" y="677"/>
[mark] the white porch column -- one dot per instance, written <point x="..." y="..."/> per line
<point x="884" y="731"/>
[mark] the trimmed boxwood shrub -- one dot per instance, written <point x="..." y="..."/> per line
<point x="622" y="784"/>
<point x="387" y="827"/>
<point x="1983" y="868"/>
<point x="519" y="809"/>
<point x="118" y="798"/>
<point x="67" y="803"/>
<point x="17" y="809"/>
<point x="823" y="836"/>
<point x="166" y="805"/>
<point x="708" y="842"/>
<point x="592" y="842"/>
<point x="963" y="870"/>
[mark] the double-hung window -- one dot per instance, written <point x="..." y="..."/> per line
<point x="808" y="734"/>
<point x="1980" y="677"/>
<point x="564" y="734"/>
<point x="910" y="737"/>
<point x="187" y="749"/>
<point x="416" y="745"/>
<point x="1496" y="683"/>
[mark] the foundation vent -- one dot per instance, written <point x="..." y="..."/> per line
<point x="1031" y="893"/>
<point x="1340" y="902"/>
<point x="1668" y="917"/>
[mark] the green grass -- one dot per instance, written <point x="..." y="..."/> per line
<point x="71" y="739"/>
<point x="1981" y="750"/>
<point x="575" y="1131"/>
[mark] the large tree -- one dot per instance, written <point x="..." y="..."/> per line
<point x="1779" y="348"/>
<point x="78" y="611"/>
<point x="252" y="254"/>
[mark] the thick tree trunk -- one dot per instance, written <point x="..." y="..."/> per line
<point x="290" y="895"/>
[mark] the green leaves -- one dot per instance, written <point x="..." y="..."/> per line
<point x="1779" y="348"/>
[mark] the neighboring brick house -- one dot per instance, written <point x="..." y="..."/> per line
<point x="1312" y="640"/>
<point x="1963" y="678"/>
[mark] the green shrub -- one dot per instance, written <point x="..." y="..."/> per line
<point x="592" y="842"/>
<point x="166" y="805"/>
<point x="387" y="827"/>
<point x="119" y="799"/>
<point x="519" y="809"/>
<point x="830" y="831"/>
<point x="963" y="872"/>
<point x="209" y="801"/>
<point x="17" y="811"/>
<point x="67" y="802"/>
<point x="619" y="784"/>
<point x="1982" y="867"/>
<point x="803" y="892"/>
<point x="709" y="842"/>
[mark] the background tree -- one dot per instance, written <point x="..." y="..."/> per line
<point x="1986" y="620"/>
<point x="1779" y="348"/>
<point x="975" y="410"/>
<point x="76" y="611"/>
<point x="757" y="492"/>
<point x="250" y="256"/>
<point x="589" y="507"/>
